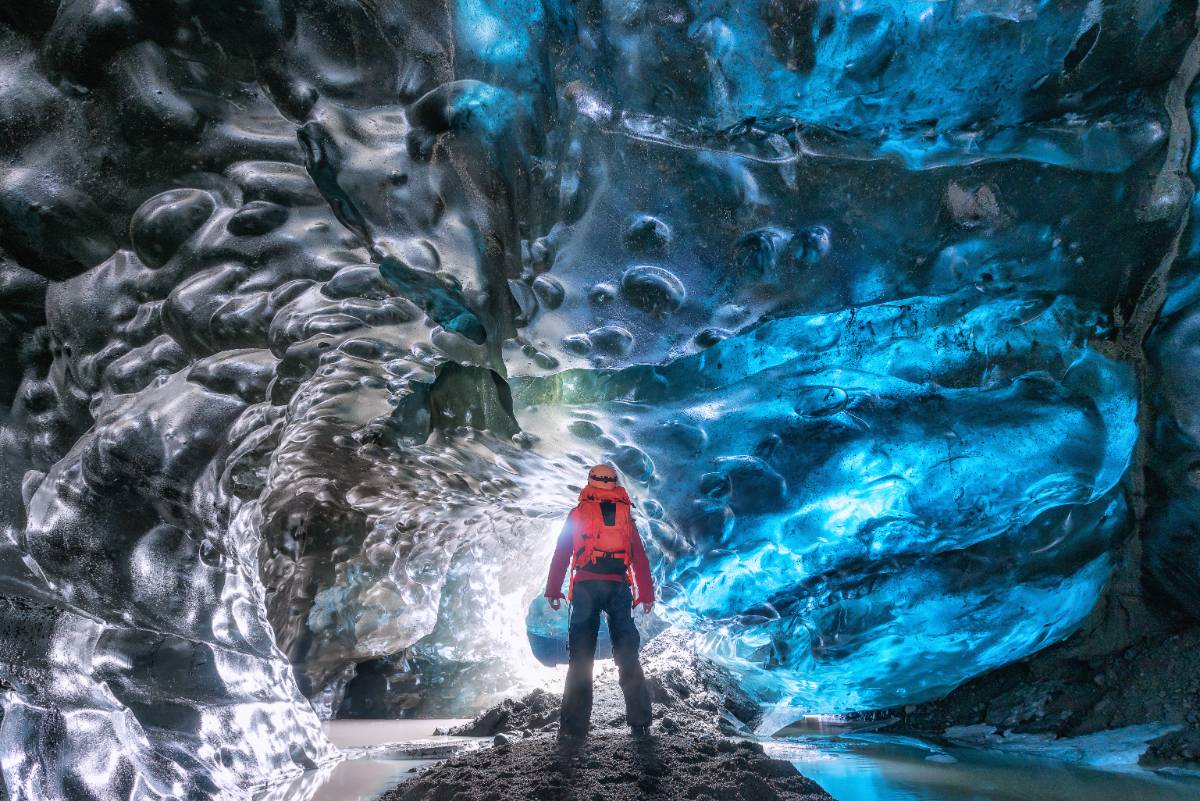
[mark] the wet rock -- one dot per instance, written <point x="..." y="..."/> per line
<point x="1178" y="749"/>
<point x="536" y="710"/>
<point x="1139" y="672"/>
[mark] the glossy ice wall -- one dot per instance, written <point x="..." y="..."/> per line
<point x="1173" y="525"/>
<point x="892" y="312"/>
<point x="316" y="308"/>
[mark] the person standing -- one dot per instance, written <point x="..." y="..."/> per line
<point x="610" y="575"/>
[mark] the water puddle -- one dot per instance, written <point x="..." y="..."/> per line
<point x="851" y="765"/>
<point x="380" y="754"/>
<point x="876" y="767"/>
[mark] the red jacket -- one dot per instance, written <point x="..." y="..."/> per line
<point x="644" y="584"/>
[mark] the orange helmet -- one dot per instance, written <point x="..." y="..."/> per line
<point x="602" y="476"/>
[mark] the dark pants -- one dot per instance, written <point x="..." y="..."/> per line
<point x="590" y="599"/>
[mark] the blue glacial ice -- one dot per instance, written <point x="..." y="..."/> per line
<point x="837" y="291"/>
<point x="1173" y="528"/>
<point x="314" y="310"/>
<point x="852" y="521"/>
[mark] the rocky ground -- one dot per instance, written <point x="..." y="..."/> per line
<point x="693" y="753"/>
<point x="611" y="766"/>
<point x="1070" y="690"/>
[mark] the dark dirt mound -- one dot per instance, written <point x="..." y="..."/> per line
<point x="688" y="691"/>
<point x="612" y="766"/>
<point x="695" y="704"/>
<point x="537" y="710"/>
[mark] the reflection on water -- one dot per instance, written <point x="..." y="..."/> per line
<point x="349" y="734"/>
<point x="379" y="755"/>
<point x="870" y="767"/>
<point x="352" y="780"/>
<point x="850" y="765"/>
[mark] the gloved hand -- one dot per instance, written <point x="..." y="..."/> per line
<point x="555" y="603"/>
<point x="647" y="607"/>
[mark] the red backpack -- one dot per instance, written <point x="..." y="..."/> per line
<point x="593" y="536"/>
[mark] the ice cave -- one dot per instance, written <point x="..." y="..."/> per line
<point x="316" y="313"/>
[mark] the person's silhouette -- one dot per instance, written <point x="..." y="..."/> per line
<point x="601" y="545"/>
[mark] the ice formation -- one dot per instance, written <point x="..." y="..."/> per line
<point x="853" y="523"/>
<point x="314" y="309"/>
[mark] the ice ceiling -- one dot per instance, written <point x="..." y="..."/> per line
<point x="889" y="313"/>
